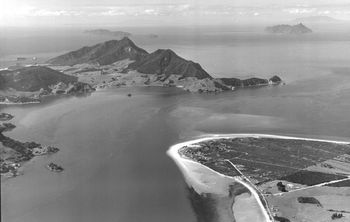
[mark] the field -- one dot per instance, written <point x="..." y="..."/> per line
<point x="267" y="159"/>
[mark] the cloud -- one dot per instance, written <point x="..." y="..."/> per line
<point x="45" y="12"/>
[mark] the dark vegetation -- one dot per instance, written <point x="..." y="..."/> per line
<point x="336" y="216"/>
<point x="281" y="219"/>
<point x="310" y="178"/>
<point x="344" y="183"/>
<point x="339" y="211"/>
<point x="309" y="200"/>
<point x="281" y="187"/>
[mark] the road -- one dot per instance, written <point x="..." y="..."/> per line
<point x="255" y="191"/>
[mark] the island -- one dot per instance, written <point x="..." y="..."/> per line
<point x="238" y="177"/>
<point x="54" y="167"/>
<point x="288" y="29"/>
<point x="117" y="63"/>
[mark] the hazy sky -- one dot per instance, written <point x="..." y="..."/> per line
<point x="163" y="12"/>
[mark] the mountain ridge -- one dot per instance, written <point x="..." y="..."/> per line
<point x="103" y="53"/>
<point x="167" y="68"/>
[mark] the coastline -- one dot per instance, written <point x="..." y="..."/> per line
<point x="174" y="154"/>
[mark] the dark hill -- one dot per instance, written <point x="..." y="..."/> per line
<point x="103" y="53"/>
<point x="33" y="78"/>
<point x="165" y="61"/>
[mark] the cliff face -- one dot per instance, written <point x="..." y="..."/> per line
<point x="288" y="29"/>
<point x="103" y="54"/>
<point x="165" y="61"/>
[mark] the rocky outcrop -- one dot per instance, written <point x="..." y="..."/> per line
<point x="275" y="80"/>
<point x="6" y="127"/>
<point x="79" y="88"/>
<point x="54" y="167"/>
<point x="5" y="117"/>
<point x="103" y="54"/>
<point x="288" y="29"/>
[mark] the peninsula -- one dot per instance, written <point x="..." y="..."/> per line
<point x="257" y="177"/>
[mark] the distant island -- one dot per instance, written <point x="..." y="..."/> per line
<point x="288" y="29"/>
<point x="106" y="32"/>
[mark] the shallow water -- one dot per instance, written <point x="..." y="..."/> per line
<point x="113" y="147"/>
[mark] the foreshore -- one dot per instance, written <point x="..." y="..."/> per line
<point x="173" y="152"/>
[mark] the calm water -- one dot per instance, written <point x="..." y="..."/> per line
<point x="113" y="147"/>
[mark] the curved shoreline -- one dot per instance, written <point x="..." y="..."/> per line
<point x="174" y="154"/>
